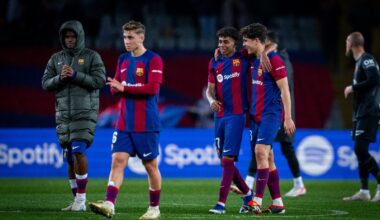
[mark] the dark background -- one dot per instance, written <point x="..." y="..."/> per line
<point x="183" y="33"/>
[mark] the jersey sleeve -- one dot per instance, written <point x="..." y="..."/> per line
<point x="155" y="70"/>
<point x="278" y="68"/>
<point x="211" y="76"/>
<point x="370" y="69"/>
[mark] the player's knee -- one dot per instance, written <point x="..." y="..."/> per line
<point x="287" y="149"/>
<point x="118" y="161"/>
<point x="150" y="165"/>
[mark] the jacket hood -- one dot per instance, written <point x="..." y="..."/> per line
<point x="77" y="28"/>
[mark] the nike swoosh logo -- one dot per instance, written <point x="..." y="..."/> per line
<point x="145" y="155"/>
<point x="59" y="63"/>
<point x="75" y="147"/>
<point x="260" y="139"/>
<point x="123" y="70"/>
<point x="225" y="151"/>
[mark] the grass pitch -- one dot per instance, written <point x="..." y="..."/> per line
<point x="180" y="199"/>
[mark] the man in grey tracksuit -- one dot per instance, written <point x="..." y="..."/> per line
<point x="75" y="74"/>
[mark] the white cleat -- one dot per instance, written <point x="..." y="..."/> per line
<point x="296" y="191"/>
<point x="106" y="208"/>
<point x="376" y="198"/>
<point x="152" y="213"/>
<point x="359" y="196"/>
<point x="79" y="205"/>
<point x="68" y="208"/>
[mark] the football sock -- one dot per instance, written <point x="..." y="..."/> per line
<point x="239" y="182"/>
<point x="261" y="182"/>
<point x="228" y="174"/>
<point x="73" y="186"/>
<point x="81" y="183"/>
<point x="274" y="184"/>
<point x="111" y="193"/>
<point x="154" y="197"/>
<point x="298" y="182"/>
<point x="250" y="181"/>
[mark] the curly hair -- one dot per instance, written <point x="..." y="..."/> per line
<point x="228" y="32"/>
<point x="255" y="30"/>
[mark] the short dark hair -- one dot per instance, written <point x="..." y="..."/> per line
<point x="136" y="26"/>
<point x="273" y="37"/>
<point x="228" y="32"/>
<point x="357" y="39"/>
<point x="255" y="30"/>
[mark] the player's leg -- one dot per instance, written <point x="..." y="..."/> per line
<point x="277" y="206"/>
<point x="219" y="208"/>
<point x="147" y="149"/>
<point x="122" y="149"/>
<point x="68" y="157"/>
<point x="252" y="169"/>
<point x="364" y="133"/>
<point x="78" y="153"/>
<point x="290" y="155"/>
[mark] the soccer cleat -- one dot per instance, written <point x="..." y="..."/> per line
<point x="78" y="205"/>
<point x="359" y="196"/>
<point x="218" y="209"/>
<point x="245" y="208"/>
<point x="296" y="191"/>
<point x="376" y="198"/>
<point x="236" y="190"/>
<point x="275" y="209"/>
<point x="151" y="213"/>
<point x="255" y="207"/>
<point x="103" y="208"/>
<point x="68" y="208"/>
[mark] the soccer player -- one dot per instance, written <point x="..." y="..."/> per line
<point x="270" y="96"/>
<point x="137" y="81"/>
<point x="228" y="98"/>
<point x="75" y="74"/>
<point x="286" y="141"/>
<point x="366" y="113"/>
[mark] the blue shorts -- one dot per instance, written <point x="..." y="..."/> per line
<point x="264" y="132"/>
<point x="144" y="144"/>
<point x="228" y="135"/>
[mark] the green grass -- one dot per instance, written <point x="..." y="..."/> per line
<point x="180" y="199"/>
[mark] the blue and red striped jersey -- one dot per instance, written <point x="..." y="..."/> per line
<point x="139" y="109"/>
<point x="266" y="96"/>
<point x="230" y="76"/>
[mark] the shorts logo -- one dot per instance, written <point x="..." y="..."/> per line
<point x="139" y="71"/>
<point x="147" y="154"/>
<point x="219" y="78"/>
<point x="81" y="61"/>
<point x="226" y="150"/>
<point x="235" y="62"/>
<point x="315" y="155"/>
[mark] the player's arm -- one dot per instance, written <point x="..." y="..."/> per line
<point x="152" y="87"/>
<point x="285" y="96"/>
<point x="51" y="81"/>
<point x="279" y="74"/>
<point x="265" y="61"/>
<point x="372" y="78"/>
<point x="96" y="77"/>
<point x="215" y="105"/>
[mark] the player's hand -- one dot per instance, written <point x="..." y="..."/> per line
<point x="67" y="72"/>
<point x="289" y="126"/>
<point x="347" y="91"/>
<point x="216" y="53"/>
<point x="216" y="106"/>
<point x="265" y="62"/>
<point x="115" y="85"/>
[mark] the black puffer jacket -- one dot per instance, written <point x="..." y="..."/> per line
<point x="77" y="99"/>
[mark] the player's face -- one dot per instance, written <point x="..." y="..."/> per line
<point x="348" y="46"/>
<point x="226" y="46"/>
<point x="252" y="45"/>
<point x="132" y="40"/>
<point x="70" y="39"/>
